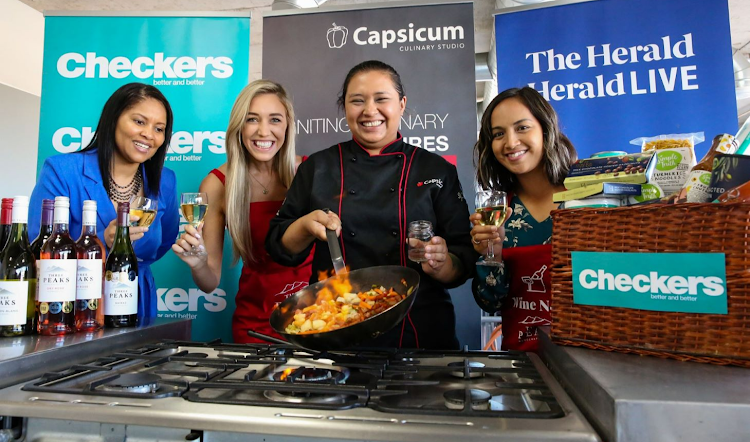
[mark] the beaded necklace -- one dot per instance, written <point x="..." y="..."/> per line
<point x="122" y="194"/>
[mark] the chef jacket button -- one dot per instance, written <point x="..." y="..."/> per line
<point x="393" y="189"/>
<point x="394" y="233"/>
<point x="351" y="233"/>
<point x="352" y="191"/>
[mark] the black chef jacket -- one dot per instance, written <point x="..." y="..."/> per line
<point x="376" y="197"/>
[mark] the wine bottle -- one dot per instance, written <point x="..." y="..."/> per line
<point x="56" y="280"/>
<point x="89" y="279"/>
<point x="45" y="230"/>
<point x="6" y="210"/>
<point x="121" y="276"/>
<point x="17" y="276"/>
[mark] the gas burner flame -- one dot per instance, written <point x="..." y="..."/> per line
<point x="310" y="375"/>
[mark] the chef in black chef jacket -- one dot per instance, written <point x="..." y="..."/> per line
<point x="375" y="185"/>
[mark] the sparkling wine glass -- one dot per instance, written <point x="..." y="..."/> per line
<point x="194" y="207"/>
<point x="145" y="209"/>
<point x="493" y="206"/>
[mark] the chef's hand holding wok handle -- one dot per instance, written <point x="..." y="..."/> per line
<point x="441" y="265"/>
<point x="308" y="228"/>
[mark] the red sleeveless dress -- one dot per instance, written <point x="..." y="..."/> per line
<point x="263" y="283"/>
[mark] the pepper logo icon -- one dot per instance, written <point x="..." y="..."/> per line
<point x="337" y="36"/>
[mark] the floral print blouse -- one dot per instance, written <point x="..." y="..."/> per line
<point x="490" y="287"/>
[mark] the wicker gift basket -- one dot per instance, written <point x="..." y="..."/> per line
<point x="675" y="228"/>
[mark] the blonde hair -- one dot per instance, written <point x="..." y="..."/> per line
<point x="238" y="183"/>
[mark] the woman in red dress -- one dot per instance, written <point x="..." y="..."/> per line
<point x="261" y="163"/>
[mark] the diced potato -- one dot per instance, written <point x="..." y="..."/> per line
<point x="306" y="326"/>
<point x="318" y="324"/>
<point x="299" y="319"/>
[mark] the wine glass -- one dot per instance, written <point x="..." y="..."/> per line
<point x="144" y="208"/>
<point x="493" y="206"/>
<point x="194" y="207"/>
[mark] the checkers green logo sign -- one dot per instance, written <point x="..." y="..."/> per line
<point x="673" y="282"/>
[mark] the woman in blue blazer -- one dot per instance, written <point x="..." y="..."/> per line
<point x="125" y="158"/>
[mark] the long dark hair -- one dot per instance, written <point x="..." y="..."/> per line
<point x="123" y="99"/>
<point x="559" y="152"/>
<point x="368" y="66"/>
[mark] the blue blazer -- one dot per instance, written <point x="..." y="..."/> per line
<point x="77" y="176"/>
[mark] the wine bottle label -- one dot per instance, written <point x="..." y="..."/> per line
<point x="56" y="280"/>
<point x="89" y="279"/>
<point x="14" y="297"/>
<point x="120" y="294"/>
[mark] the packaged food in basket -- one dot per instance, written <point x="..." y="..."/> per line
<point x="630" y="168"/>
<point x="600" y="190"/>
<point x="649" y="192"/>
<point x="743" y="139"/>
<point x="696" y="188"/>
<point x="675" y="155"/>
<point x="729" y="171"/>
<point x="739" y="194"/>
<point x="593" y="201"/>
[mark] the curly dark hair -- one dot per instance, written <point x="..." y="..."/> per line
<point x="559" y="152"/>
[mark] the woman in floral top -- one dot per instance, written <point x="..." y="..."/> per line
<point x="521" y="151"/>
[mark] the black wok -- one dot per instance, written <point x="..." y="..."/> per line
<point x="361" y="280"/>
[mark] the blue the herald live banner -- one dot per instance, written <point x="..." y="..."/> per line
<point x="200" y="64"/>
<point x="616" y="70"/>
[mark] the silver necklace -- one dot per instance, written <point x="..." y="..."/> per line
<point x="265" y="189"/>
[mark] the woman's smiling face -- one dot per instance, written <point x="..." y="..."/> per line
<point x="140" y="131"/>
<point x="373" y="109"/>
<point x="517" y="138"/>
<point x="265" y="126"/>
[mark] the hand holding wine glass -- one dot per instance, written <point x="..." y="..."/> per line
<point x="491" y="212"/>
<point x="144" y="208"/>
<point x="194" y="207"/>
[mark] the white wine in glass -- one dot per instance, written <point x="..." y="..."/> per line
<point x="194" y="207"/>
<point x="144" y="208"/>
<point x="493" y="206"/>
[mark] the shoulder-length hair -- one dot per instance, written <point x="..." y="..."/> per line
<point x="559" y="152"/>
<point x="121" y="100"/>
<point x="238" y="183"/>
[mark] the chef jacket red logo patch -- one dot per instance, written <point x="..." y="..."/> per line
<point x="434" y="181"/>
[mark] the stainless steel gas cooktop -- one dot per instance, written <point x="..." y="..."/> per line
<point x="214" y="391"/>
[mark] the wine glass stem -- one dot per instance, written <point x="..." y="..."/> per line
<point x="490" y="251"/>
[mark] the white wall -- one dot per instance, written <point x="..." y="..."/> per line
<point x="21" y="47"/>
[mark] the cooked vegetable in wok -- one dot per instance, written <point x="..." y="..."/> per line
<point x="332" y="311"/>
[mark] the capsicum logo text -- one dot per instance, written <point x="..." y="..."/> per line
<point x="653" y="282"/>
<point x="363" y="36"/>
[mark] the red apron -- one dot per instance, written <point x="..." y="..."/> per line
<point x="529" y="292"/>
